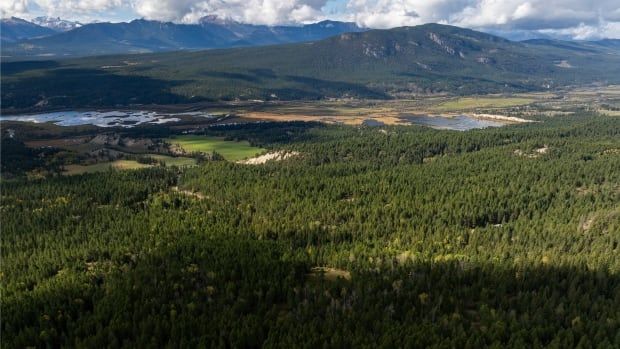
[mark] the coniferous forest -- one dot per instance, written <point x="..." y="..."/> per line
<point x="391" y="236"/>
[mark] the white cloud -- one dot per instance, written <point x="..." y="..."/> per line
<point x="584" y="18"/>
<point x="535" y="14"/>
<point x="394" y="13"/>
<point x="70" y="9"/>
<point x="576" y="18"/>
<point x="10" y="8"/>
<point x="249" y="11"/>
<point x="609" y="30"/>
<point x="77" y="6"/>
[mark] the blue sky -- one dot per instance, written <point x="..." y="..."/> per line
<point x="579" y="19"/>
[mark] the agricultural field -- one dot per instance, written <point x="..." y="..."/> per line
<point x="104" y="166"/>
<point x="390" y="112"/>
<point x="230" y="150"/>
<point x="468" y="103"/>
<point x="179" y="161"/>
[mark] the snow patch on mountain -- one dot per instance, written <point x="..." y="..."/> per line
<point x="57" y="23"/>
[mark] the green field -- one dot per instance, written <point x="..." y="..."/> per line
<point x="231" y="151"/>
<point x="104" y="166"/>
<point x="128" y="164"/>
<point x="475" y="102"/>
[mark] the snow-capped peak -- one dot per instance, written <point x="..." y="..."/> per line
<point x="57" y="23"/>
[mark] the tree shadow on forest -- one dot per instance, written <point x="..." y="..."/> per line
<point x="268" y="133"/>
<point x="328" y="87"/>
<point x="11" y="68"/>
<point x="248" y="293"/>
<point x="299" y="87"/>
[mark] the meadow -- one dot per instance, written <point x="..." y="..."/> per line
<point x="104" y="166"/>
<point x="230" y="150"/>
<point x="75" y="169"/>
<point x="468" y="103"/>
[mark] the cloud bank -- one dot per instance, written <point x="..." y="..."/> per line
<point x="581" y="19"/>
<point x="268" y="12"/>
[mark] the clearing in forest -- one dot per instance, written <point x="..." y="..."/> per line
<point x="178" y="161"/>
<point x="274" y="156"/>
<point x="230" y="150"/>
<point x="331" y="274"/>
<point x="104" y="166"/>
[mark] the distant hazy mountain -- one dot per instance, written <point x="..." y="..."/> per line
<point x="15" y="29"/>
<point x="518" y="35"/>
<point x="56" y="24"/>
<point x="429" y="58"/>
<point x="153" y="36"/>
<point x="610" y="43"/>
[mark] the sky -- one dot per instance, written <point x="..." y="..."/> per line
<point x="577" y="19"/>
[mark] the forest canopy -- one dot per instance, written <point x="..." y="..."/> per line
<point x="371" y="237"/>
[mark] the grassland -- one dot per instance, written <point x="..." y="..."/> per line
<point x="610" y="112"/>
<point x="104" y="166"/>
<point x="391" y="112"/>
<point x="128" y="164"/>
<point x="230" y="150"/>
<point x="468" y="103"/>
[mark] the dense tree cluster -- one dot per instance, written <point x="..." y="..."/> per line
<point x="503" y="237"/>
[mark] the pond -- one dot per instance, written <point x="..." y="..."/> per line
<point x="104" y="118"/>
<point x="458" y="122"/>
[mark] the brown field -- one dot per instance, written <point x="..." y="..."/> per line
<point x="355" y="112"/>
<point x="609" y="112"/>
<point x="104" y="166"/>
<point x="330" y="119"/>
<point x="388" y="112"/>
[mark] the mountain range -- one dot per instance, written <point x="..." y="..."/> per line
<point x="16" y="29"/>
<point x="405" y="61"/>
<point x="56" y="23"/>
<point x="140" y="36"/>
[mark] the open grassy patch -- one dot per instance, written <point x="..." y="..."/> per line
<point x="230" y="150"/>
<point x="486" y="102"/>
<point x="609" y="112"/>
<point x="179" y="161"/>
<point x="104" y="166"/>
<point x="327" y="273"/>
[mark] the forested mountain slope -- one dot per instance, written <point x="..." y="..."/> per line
<point x="15" y="29"/>
<point x="372" y="64"/>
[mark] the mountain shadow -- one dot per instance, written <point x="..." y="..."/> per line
<point x="70" y="87"/>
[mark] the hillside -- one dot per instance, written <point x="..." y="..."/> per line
<point x="15" y="29"/>
<point x="374" y="64"/>
<point x="154" y="36"/>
